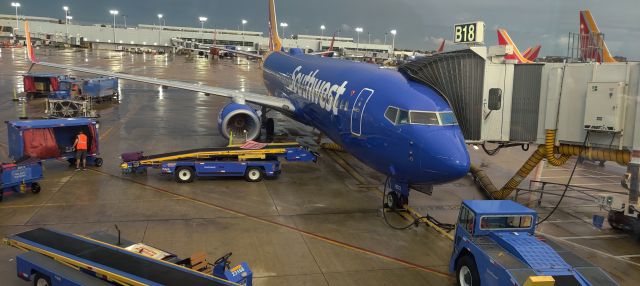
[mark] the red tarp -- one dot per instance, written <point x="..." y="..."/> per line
<point x="54" y="84"/>
<point x="29" y="84"/>
<point x="40" y="143"/>
<point x="94" y="140"/>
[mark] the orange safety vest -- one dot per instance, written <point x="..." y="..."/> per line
<point x="82" y="142"/>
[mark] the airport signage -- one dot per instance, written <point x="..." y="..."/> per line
<point x="469" y="33"/>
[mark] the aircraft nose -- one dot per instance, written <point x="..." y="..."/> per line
<point x="446" y="157"/>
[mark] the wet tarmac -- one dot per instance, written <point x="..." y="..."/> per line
<point x="317" y="224"/>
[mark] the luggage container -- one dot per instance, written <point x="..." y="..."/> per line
<point x="52" y="139"/>
<point x="42" y="84"/>
<point x="20" y="177"/>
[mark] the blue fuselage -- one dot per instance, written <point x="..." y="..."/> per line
<point x="348" y="102"/>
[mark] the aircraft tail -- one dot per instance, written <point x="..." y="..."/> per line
<point x="274" y="40"/>
<point x="441" y="47"/>
<point x="592" y="45"/>
<point x="333" y="39"/>
<point x="532" y="53"/>
<point x="31" y="54"/>
<point x="505" y="40"/>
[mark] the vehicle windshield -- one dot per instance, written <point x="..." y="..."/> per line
<point x="64" y="86"/>
<point x="506" y="222"/>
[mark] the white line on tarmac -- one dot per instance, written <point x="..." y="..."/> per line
<point x="595" y="236"/>
<point x="629" y="256"/>
<point x="586" y="176"/>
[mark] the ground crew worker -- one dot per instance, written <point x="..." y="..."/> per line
<point x="81" y="150"/>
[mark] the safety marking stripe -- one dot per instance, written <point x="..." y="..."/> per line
<point x="292" y="228"/>
<point x="595" y="236"/>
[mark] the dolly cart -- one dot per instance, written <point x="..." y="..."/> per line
<point x="21" y="176"/>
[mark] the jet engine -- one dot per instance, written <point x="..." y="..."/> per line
<point x="240" y="120"/>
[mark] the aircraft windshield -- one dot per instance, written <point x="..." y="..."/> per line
<point x="506" y="222"/>
<point x="400" y="116"/>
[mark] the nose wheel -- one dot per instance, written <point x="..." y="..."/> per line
<point x="394" y="200"/>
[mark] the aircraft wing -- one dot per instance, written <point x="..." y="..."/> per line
<point x="321" y="53"/>
<point x="277" y="103"/>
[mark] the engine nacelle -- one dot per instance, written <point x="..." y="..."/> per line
<point x="239" y="119"/>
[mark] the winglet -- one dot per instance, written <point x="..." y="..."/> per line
<point x="504" y="40"/>
<point x="30" y="53"/>
<point x="274" y="40"/>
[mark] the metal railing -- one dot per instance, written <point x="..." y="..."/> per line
<point x="587" y="193"/>
<point x="585" y="47"/>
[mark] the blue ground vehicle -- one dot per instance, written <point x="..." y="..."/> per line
<point x="495" y="245"/>
<point x="52" y="139"/>
<point x="55" y="258"/>
<point x="96" y="89"/>
<point x="232" y="161"/>
<point x="20" y="177"/>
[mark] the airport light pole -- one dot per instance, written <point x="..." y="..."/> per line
<point x="243" y="23"/>
<point x="385" y="39"/>
<point x="114" y="13"/>
<point x="393" y="43"/>
<point x="16" y="4"/>
<point x="322" y="27"/>
<point x="358" y="31"/>
<point x="284" y="25"/>
<point x="66" y="21"/>
<point x="202" y="20"/>
<point x="159" y="24"/>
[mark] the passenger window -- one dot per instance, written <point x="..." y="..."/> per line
<point x="425" y="118"/>
<point x="391" y="114"/>
<point x="466" y="219"/>
<point x="403" y="117"/>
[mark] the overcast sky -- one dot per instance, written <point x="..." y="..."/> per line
<point x="420" y="23"/>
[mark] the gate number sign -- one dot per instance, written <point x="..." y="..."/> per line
<point x="469" y="33"/>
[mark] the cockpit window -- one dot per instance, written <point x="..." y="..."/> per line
<point x="399" y="116"/>
<point x="426" y="118"/>
<point x="447" y="118"/>
<point x="391" y="114"/>
<point x="403" y="117"/>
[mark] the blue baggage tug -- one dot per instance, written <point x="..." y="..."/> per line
<point x="48" y="139"/>
<point x="495" y="245"/>
<point x="55" y="258"/>
<point x="20" y="177"/>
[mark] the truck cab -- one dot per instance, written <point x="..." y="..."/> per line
<point x="494" y="244"/>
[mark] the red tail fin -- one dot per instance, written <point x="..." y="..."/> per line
<point x="592" y="45"/>
<point x="30" y="53"/>
<point x="333" y="39"/>
<point x="441" y="47"/>
<point x="532" y="53"/>
<point x="505" y="40"/>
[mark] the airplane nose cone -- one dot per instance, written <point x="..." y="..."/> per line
<point x="446" y="157"/>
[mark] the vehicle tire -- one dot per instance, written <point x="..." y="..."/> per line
<point x="467" y="272"/>
<point x="35" y="188"/>
<point x="41" y="280"/>
<point x="393" y="200"/>
<point x="253" y="174"/>
<point x="184" y="175"/>
<point x="98" y="162"/>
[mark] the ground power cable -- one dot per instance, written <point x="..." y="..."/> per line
<point x="566" y="187"/>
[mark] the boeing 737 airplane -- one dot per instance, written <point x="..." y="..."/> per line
<point x="397" y="126"/>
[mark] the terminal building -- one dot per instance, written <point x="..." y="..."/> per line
<point x="104" y="36"/>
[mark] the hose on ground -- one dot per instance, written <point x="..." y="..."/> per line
<point x="332" y="146"/>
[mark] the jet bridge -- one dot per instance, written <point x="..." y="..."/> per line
<point x="555" y="105"/>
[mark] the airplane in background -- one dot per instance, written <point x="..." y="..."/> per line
<point x="532" y="53"/>
<point x="393" y="124"/>
<point x="592" y="45"/>
<point x="527" y="57"/>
